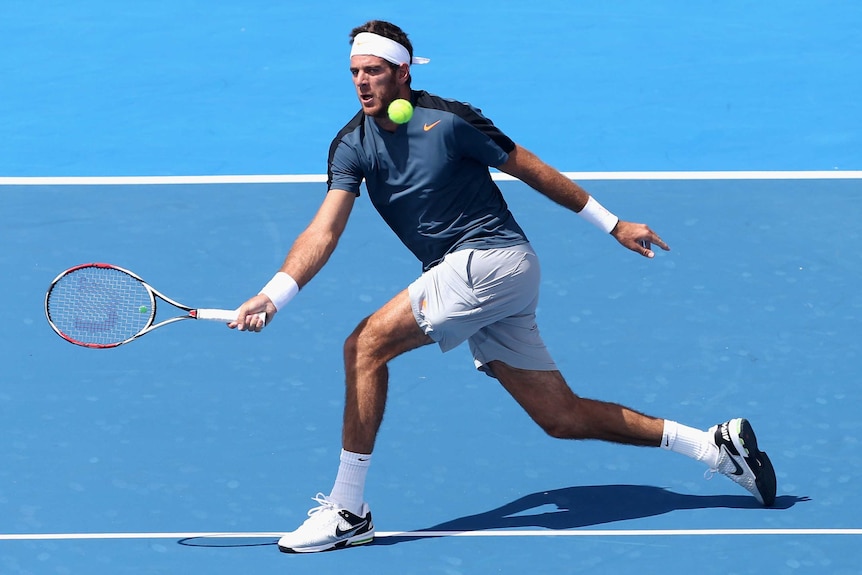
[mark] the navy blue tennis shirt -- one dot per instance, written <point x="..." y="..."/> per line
<point x="429" y="179"/>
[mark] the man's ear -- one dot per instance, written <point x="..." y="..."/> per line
<point x="403" y="73"/>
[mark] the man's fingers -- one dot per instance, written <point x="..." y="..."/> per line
<point x="254" y="314"/>
<point x="647" y="243"/>
<point x="246" y="321"/>
<point x="660" y="243"/>
<point x="250" y="321"/>
<point x="239" y="322"/>
<point x="645" y="249"/>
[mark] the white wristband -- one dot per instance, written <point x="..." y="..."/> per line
<point x="280" y="289"/>
<point x="596" y="214"/>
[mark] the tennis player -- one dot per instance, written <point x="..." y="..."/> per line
<point x="429" y="179"/>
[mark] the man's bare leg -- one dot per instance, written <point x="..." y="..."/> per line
<point x="548" y="399"/>
<point x="384" y="335"/>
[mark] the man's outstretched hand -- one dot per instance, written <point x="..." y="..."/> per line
<point x="638" y="238"/>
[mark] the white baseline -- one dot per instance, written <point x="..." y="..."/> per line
<point x="321" y="178"/>
<point x="423" y="534"/>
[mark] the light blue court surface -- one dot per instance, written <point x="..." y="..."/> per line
<point x="131" y="460"/>
<point x="197" y="429"/>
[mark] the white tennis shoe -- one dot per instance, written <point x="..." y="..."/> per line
<point x="329" y="527"/>
<point x="740" y="460"/>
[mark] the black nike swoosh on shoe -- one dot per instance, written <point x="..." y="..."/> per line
<point x="353" y="529"/>
<point x="738" y="468"/>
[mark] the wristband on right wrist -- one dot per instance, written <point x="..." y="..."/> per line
<point x="280" y="289"/>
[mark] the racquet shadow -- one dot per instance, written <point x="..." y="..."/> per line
<point x="587" y="506"/>
<point x="575" y="507"/>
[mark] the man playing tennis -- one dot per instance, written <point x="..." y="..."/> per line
<point x="429" y="179"/>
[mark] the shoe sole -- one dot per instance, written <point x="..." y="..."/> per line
<point x="764" y="475"/>
<point x="354" y="541"/>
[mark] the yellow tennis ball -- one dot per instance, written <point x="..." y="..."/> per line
<point x="400" y="111"/>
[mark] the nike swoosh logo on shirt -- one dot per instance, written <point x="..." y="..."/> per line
<point x="427" y="127"/>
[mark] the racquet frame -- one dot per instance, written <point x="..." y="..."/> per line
<point x="221" y="315"/>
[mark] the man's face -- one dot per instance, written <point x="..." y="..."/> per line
<point x="376" y="82"/>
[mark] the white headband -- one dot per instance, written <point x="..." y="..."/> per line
<point x="370" y="44"/>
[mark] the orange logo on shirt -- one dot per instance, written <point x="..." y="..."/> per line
<point x="427" y="127"/>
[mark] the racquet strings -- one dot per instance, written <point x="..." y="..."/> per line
<point x="101" y="306"/>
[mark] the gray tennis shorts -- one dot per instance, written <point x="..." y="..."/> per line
<point x="488" y="298"/>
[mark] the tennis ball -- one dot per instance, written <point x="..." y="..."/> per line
<point x="143" y="309"/>
<point x="400" y="111"/>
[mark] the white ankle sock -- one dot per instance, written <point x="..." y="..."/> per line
<point x="690" y="442"/>
<point x="349" y="488"/>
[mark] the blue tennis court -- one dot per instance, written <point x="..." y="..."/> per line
<point x="183" y="141"/>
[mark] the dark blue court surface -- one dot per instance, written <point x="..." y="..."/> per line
<point x="190" y="450"/>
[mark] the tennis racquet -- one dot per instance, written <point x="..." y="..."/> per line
<point x="103" y="306"/>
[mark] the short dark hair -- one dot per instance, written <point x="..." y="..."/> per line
<point x="387" y="30"/>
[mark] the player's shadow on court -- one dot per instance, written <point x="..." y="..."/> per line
<point x="586" y="506"/>
<point x="573" y="507"/>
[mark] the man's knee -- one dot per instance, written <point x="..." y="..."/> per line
<point x="360" y="344"/>
<point x="547" y="399"/>
<point x="372" y="343"/>
<point x="563" y="421"/>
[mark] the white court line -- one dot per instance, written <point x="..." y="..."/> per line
<point x="159" y="180"/>
<point x="421" y="534"/>
<point x="720" y="175"/>
<point x="321" y="178"/>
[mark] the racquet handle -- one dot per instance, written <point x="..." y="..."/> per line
<point x="225" y="315"/>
